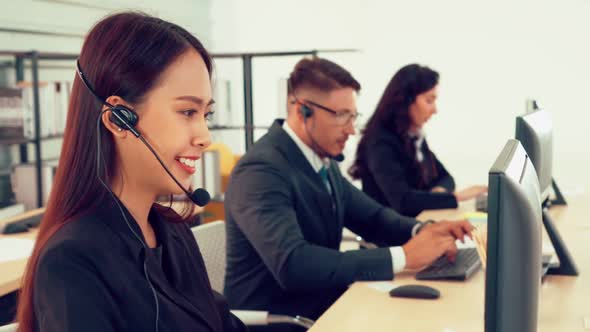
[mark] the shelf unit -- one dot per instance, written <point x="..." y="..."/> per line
<point x="33" y="57"/>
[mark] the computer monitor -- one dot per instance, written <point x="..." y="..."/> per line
<point x="535" y="132"/>
<point x="513" y="269"/>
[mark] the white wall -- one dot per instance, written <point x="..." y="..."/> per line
<point x="492" y="56"/>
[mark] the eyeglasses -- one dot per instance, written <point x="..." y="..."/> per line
<point x="341" y="118"/>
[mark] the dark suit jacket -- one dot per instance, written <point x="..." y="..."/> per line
<point x="90" y="277"/>
<point x="284" y="232"/>
<point x="393" y="180"/>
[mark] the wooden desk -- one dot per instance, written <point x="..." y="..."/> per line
<point x="563" y="303"/>
<point x="11" y="272"/>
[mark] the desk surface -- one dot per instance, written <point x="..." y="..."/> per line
<point x="11" y="272"/>
<point x="562" y="306"/>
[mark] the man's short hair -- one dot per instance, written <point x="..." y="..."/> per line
<point x="321" y="74"/>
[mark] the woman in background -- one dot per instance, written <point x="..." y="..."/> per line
<point x="108" y="257"/>
<point x="393" y="159"/>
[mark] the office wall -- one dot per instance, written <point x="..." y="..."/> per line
<point x="492" y="56"/>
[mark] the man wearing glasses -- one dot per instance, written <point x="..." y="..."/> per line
<point x="287" y="203"/>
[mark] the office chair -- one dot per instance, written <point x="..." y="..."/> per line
<point x="212" y="243"/>
<point x="9" y="328"/>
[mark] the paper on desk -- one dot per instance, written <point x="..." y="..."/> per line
<point x="15" y="249"/>
<point x="382" y="286"/>
<point x="476" y="217"/>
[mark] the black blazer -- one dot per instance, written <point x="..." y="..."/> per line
<point x="391" y="177"/>
<point x="90" y="277"/>
<point x="284" y="232"/>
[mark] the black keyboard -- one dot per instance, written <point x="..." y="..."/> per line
<point x="467" y="262"/>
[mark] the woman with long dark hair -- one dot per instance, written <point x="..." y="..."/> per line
<point x="393" y="159"/>
<point x="107" y="256"/>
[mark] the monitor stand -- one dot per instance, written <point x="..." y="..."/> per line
<point x="559" y="199"/>
<point x="567" y="266"/>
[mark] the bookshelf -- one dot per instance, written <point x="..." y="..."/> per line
<point x="30" y="61"/>
<point x="32" y="58"/>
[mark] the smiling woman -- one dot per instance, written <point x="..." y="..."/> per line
<point x="107" y="257"/>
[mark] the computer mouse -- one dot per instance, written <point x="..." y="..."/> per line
<point x="415" y="292"/>
<point x="15" y="228"/>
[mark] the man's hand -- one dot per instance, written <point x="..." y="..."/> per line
<point x="435" y="240"/>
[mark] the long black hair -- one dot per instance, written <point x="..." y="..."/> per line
<point x="392" y="112"/>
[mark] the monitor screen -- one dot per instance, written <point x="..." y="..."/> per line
<point x="535" y="133"/>
<point x="513" y="269"/>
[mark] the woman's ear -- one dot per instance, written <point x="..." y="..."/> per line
<point x="111" y="126"/>
<point x="106" y="117"/>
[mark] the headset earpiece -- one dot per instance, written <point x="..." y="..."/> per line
<point x="123" y="117"/>
<point x="305" y="111"/>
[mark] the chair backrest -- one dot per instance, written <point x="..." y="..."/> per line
<point x="211" y="240"/>
<point x="9" y="328"/>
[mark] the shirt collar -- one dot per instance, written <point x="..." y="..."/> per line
<point x="314" y="160"/>
<point x="418" y="138"/>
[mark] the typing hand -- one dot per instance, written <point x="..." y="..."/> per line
<point x="457" y="229"/>
<point x="435" y="240"/>
<point x="470" y="193"/>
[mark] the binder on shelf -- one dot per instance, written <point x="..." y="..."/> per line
<point x="53" y="105"/>
<point x="24" y="183"/>
<point x="6" y="195"/>
<point x="11" y="112"/>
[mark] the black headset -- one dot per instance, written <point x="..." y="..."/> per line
<point x="306" y="111"/>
